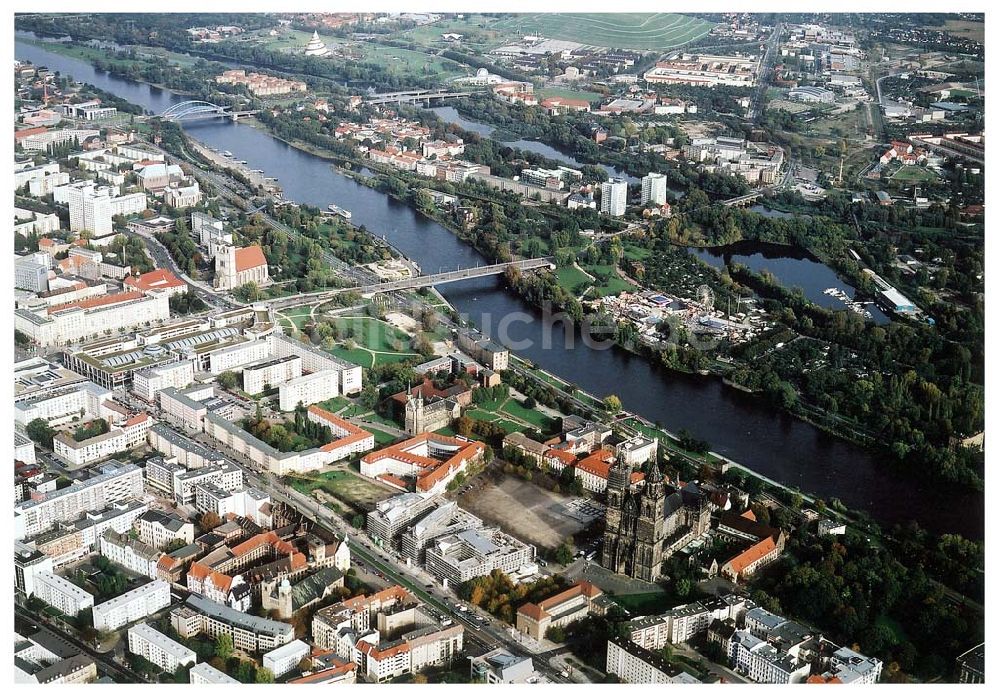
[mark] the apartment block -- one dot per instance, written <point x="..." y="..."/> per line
<point x="116" y="482"/>
<point x="250" y="633"/>
<point x="60" y="593"/>
<point x="308" y="389"/>
<point x="132" y="606"/>
<point x="158" y="648"/>
<point x="271" y="373"/>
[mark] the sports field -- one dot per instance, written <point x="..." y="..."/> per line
<point x="640" y="31"/>
<point x="914" y="174"/>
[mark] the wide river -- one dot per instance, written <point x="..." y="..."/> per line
<point x="739" y="426"/>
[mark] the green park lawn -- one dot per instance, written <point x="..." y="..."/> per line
<point x="572" y="278"/>
<point x="533" y="417"/>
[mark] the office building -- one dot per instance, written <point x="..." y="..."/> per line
<point x="91" y="317"/>
<point x="157" y="528"/>
<point x="315" y="360"/>
<point x="28" y="562"/>
<point x="500" y="666"/>
<point x="386" y="523"/>
<point x="122" y="549"/>
<point x="456" y="558"/>
<point x="147" y="383"/>
<point x="30" y="274"/>
<point x="636" y="665"/>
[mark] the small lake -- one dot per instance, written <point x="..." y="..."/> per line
<point x="450" y="114"/>
<point x="792" y="267"/>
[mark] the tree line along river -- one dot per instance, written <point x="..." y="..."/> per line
<point x="739" y="426"/>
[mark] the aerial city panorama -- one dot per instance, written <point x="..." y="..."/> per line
<point x="499" y="348"/>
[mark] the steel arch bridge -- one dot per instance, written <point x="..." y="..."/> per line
<point x="193" y="109"/>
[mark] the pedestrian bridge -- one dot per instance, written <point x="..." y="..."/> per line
<point x="413" y="282"/>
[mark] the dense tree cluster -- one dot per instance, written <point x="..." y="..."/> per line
<point x="858" y="592"/>
<point x="500" y="596"/>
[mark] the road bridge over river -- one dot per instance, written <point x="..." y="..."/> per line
<point x="414" y="282"/>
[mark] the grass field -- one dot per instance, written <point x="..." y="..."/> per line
<point x="572" y="277"/>
<point x="615" y="284"/>
<point x="634" y="252"/>
<point x="297" y="316"/>
<point x="473" y="28"/>
<point x="914" y="174"/>
<point x="405" y="62"/>
<point x="639" y="31"/>
<point x="335" y="404"/>
<point x="376" y="342"/>
<point x="356" y="492"/>
<point x="570" y="94"/>
<point x="533" y="417"/>
<point x="965" y="29"/>
<point x="293" y="39"/>
<point x="373" y="334"/>
<point x="508" y="425"/>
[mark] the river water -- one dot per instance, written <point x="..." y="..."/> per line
<point x="739" y="426"/>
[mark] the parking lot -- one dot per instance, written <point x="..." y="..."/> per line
<point x="528" y="512"/>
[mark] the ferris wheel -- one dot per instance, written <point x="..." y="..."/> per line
<point x="706" y="297"/>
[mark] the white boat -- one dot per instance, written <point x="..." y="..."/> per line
<point x="340" y="211"/>
<point x="227" y="153"/>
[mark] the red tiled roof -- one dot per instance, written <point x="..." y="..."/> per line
<point x="741" y="561"/>
<point x="200" y="571"/>
<point x="136" y="419"/>
<point x="24" y="133"/>
<point x="586" y="589"/>
<point x="324" y="674"/>
<point x="249" y="258"/>
<point x="354" y="433"/>
<point x="568" y="458"/>
<point x="597" y="463"/>
<point x="99" y="301"/>
<point x="532" y="611"/>
<point x="820" y="679"/>
<point x="392" y="480"/>
<point x="151" y="281"/>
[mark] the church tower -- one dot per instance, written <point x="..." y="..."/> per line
<point x="650" y="528"/>
<point x="225" y="267"/>
<point x="619" y="519"/>
<point x="414" y="421"/>
<point x="634" y="524"/>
